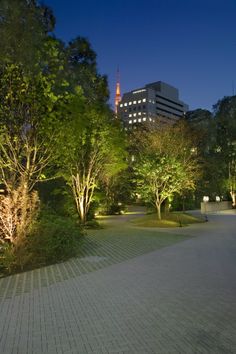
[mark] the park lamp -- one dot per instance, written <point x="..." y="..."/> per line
<point x="206" y="198"/>
<point x="217" y="198"/>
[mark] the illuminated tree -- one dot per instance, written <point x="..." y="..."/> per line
<point x="167" y="164"/>
<point x="92" y="150"/>
<point x="29" y="120"/>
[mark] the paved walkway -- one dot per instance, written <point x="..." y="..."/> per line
<point x="178" y="299"/>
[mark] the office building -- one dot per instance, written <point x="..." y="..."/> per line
<point x="156" y="102"/>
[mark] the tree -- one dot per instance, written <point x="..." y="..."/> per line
<point x="24" y="29"/>
<point x="31" y="90"/>
<point x="225" y="146"/>
<point x="162" y="169"/>
<point x="92" y="150"/>
<point x="81" y="69"/>
<point x="29" y="119"/>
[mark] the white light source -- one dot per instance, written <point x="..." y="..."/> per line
<point x="206" y="198"/>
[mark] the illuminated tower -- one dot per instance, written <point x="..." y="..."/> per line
<point x="117" y="96"/>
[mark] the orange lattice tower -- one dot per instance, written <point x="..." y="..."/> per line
<point x="117" y="96"/>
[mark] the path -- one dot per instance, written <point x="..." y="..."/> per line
<point x="178" y="299"/>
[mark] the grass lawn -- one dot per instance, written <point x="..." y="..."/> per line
<point x="174" y="219"/>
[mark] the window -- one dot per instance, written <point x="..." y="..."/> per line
<point x="144" y="119"/>
<point x="144" y="99"/>
<point x="135" y="120"/>
<point x="125" y="104"/>
<point x="134" y="102"/>
<point x="130" y="115"/>
<point x="134" y="108"/>
<point x="139" y="120"/>
<point x="144" y="107"/>
<point x="130" y="103"/>
<point x="135" y="114"/>
<point x="121" y="105"/>
<point x="139" y="113"/>
<point x="130" y="121"/>
<point x="139" y="101"/>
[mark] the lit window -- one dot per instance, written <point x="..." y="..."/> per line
<point x="139" y="119"/>
<point x="130" y="115"/>
<point x="144" y="113"/>
<point x="139" y="113"/>
<point x="125" y="104"/>
<point x="130" y="121"/>
<point x="144" y="119"/>
<point x="144" y="99"/>
<point x="130" y="103"/>
<point x="139" y="101"/>
<point x="135" y="114"/>
<point x="121" y="105"/>
<point x="150" y="119"/>
<point x="134" y="102"/>
<point x="135" y="120"/>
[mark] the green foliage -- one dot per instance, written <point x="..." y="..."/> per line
<point x="24" y="28"/>
<point x="92" y="151"/>
<point x="161" y="170"/>
<point x="7" y="258"/>
<point x="51" y="239"/>
<point x="54" y="239"/>
<point x="30" y="118"/>
<point x="220" y="172"/>
<point x="81" y="69"/>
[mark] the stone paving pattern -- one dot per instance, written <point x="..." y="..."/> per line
<point x="177" y="299"/>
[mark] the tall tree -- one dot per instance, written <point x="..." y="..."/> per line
<point x="81" y="69"/>
<point x="225" y="147"/>
<point x="24" y="29"/>
<point x="92" y="150"/>
<point x="29" y="118"/>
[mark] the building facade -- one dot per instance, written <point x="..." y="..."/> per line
<point x="157" y="101"/>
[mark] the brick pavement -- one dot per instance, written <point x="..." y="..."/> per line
<point x="178" y="299"/>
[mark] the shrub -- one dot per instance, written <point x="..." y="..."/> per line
<point x="55" y="239"/>
<point x="52" y="239"/>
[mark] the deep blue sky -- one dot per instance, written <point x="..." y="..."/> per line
<point x="190" y="44"/>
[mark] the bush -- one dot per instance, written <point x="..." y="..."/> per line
<point x="52" y="239"/>
<point x="55" y="239"/>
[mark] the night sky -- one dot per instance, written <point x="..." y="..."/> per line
<point x="190" y="44"/>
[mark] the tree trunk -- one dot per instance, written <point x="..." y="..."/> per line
<point x="82" y="211"/>
<point x="158" y="206"/>
<point x="233" y="196"/>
